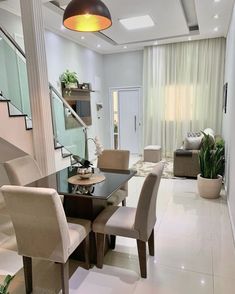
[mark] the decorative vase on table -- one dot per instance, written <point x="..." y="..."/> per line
<point x="211" y="158"/>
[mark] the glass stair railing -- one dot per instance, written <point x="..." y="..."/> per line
<point x="70" y="132"/>
<point x="13" y="77"/>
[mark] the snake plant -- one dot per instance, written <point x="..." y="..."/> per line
<point x="4" y="286"/>
<point x="211" y="157"/>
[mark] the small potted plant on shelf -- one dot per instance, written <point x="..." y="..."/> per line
<point x="212" y="161"/>
<point x="69" y="79"/>
<point x="4" y="286"/>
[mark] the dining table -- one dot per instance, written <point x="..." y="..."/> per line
<point x="82" y="200"/>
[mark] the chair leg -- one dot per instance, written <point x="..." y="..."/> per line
<point x="141" y="245"/>
<point x="64" y="268"/>
<point x="28" y="277"/>
<point x="100" y="249"/>
<point x="151" y="243"/>
<point x="87" y="251"/>
<point x="112" y="241"/>
<point x="124" y="202"/>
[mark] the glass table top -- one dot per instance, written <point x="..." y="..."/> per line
<point x="114" y="179"/>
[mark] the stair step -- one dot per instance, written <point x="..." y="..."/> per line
<point x="17" y="115"/>
<point x="64" y="155"/>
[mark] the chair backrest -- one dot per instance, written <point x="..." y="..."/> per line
<point x="146" y="209"/>
<point x="39" y="221"/>
<point x="114" y="159"/>
<point x="22" y="170"/>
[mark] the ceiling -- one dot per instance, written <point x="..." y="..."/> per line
<point x="175" y="21"/>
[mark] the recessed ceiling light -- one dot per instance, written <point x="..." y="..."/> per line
<point x="155" y="43"/>
<point x="216" y="0"/>
<point x="190" y="38"/>
<point x="125" y="47"/>
<point x="98" y="46"/>
<point x="82" y="37"/>
<point x="216" y="16"/>
<point x="216" y="29"/>
<point x="137" y="22"/>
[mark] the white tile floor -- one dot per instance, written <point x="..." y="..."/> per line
<point x="194" y="250"/>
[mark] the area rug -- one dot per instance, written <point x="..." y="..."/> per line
<point x="143" y="168"/>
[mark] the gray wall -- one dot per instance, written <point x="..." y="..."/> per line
<point x="120" y="70"/>
<point x="229" y="119"/>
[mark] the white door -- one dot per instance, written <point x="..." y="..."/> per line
<point x="128" y="119"/>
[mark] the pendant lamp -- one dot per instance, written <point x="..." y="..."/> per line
<point x="87" y="16"/>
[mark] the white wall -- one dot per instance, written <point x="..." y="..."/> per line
<point x="64" y="54"/>
<point x="120" y="70"/>
<point x="102" y="71"/>
<point x="229" y="119"/>
<point x="11" y="22"/>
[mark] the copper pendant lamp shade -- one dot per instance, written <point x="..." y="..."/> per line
<point x="87" y="16"/>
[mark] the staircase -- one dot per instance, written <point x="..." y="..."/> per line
<point x="15" y="127"/>
<point x="15" y="114"/>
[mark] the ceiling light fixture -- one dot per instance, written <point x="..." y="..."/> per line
<point x="190" y="38"/>
<point x="98" y="46"/>
<point x="125" y="47"/>
<point x="137" y="22"/>
<point x="216" y="0"/>
<point x="82" y="37"/>
<point x="216" y="16"/>
<point x="216" y="29"/>
<point x="87" y="16"/>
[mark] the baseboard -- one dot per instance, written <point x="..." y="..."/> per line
<point x="230" y="214"/>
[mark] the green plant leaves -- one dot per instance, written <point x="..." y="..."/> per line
<point x="5" y="285"/>
<point x="211" y="158"/>
<point x="68" y="77"/>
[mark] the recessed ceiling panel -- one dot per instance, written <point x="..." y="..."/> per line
<point x="167" y="15"/>
<point x="206" y="11"/>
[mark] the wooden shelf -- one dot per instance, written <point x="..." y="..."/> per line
<point x="79" y="100"/>
<point x="77" y="90"/>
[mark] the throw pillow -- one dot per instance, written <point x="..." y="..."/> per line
<point x="192" y="143"/>
<point x="211" y="133"/>
<point x="194" y="134"/>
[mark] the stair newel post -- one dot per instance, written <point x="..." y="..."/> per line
<point x="33" y="29"/>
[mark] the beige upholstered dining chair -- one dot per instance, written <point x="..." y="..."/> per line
<point x="42" y="230"/>
<point x="137" y="223"/>
<point x="119" y="160"/>
<point x="22" y="170"/>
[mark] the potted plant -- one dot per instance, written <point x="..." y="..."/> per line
<point x="69" y="79"/>
<point x="211" y="159"/>
<point x="4" y="286"/>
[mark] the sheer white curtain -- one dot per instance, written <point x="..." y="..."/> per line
<point x="183" y="91"/>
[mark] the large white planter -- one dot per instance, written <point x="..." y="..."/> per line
<point x="209" y="188"/>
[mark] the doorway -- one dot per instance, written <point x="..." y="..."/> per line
<point x="125" y="119"/>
